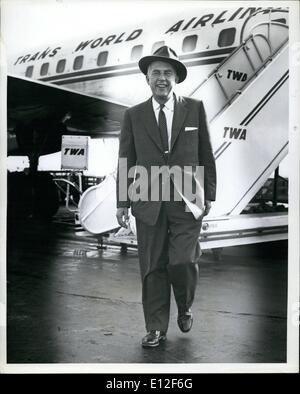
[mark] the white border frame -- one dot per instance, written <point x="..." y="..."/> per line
<point x="292" y="364"/>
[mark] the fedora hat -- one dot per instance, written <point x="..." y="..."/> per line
<point x="164" y="54"/>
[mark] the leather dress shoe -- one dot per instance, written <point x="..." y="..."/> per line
<point x="153" y="338"/>
<point x="185" y="320"/>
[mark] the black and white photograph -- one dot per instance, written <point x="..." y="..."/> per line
<point x="149" y="177"/>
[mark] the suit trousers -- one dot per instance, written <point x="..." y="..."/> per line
<point x="169" y="253"/>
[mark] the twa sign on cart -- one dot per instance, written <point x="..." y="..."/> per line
<point x="74" y="152"/>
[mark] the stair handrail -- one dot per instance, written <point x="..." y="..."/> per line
<point x="244" y="42"/>
<point x="258" y="12"/>
<point x="255" y="73"/>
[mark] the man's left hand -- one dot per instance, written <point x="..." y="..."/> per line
<point x="207" y="207"/>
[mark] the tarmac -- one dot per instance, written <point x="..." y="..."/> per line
<point x="69" y="301"/>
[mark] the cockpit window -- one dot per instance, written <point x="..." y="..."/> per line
<point x="136" y="52"/>
<point x="189" y="43"/>
<point x="44" y="69"/>
<point x="78" y="62"/>
<point x="102" y="58"/>
<point x="29" y="71"/>
<point x="61" y="64"/>
<point x="226" y="37"/>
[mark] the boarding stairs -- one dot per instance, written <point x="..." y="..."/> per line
<point x="246" y="100"/>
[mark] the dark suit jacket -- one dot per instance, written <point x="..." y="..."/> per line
<point x="140" y="144"/>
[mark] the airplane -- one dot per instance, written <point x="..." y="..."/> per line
<point x="237" y="63"/>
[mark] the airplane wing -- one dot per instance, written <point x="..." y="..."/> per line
<point x="29" y="99"/>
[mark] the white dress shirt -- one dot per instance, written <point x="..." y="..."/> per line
<point x="169" y="112"/>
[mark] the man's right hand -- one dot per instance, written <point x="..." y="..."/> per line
<point x="122" y="217"/>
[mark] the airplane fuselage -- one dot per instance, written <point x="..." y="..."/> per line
<point x="105" y="64"/>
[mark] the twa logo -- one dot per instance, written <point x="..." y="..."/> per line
<point x="235" y="133"/>
<point x="237" y="75"/>
<point x="74" y="152"/>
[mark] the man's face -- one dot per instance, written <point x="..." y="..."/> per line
<point x="161" y="78"/>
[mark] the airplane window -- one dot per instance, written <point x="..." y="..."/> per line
<point x="281" y="20"/>
<point x="136" y="52"/>
<point x="78" y="62"/>
<point x="44" y="69"/>
<point x="61" y="64"/>
<point x="29" y="71"/>
<point x="226" y="37"/>
<point x="102" y="58"/>
<point x="189" y="43"/>
<point x="157" y="45"/>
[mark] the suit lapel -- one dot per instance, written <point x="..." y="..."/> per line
<point x="149" y="120"/>
<point x="180" y="113"/>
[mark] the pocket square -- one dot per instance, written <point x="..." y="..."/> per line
<point x="193" y="128"/>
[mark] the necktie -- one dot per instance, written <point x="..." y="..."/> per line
<point x="162" y="124"/>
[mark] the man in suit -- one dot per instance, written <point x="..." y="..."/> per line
<point x="169" y="133"/>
